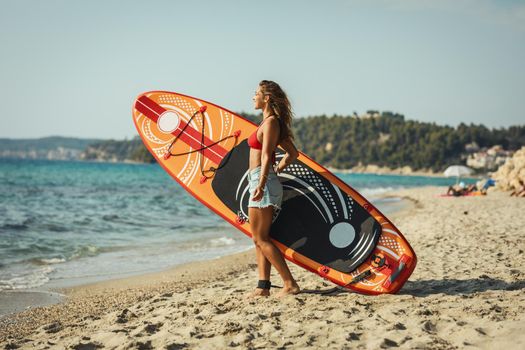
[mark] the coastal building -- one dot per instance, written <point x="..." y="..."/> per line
<point x="487" y="158"/>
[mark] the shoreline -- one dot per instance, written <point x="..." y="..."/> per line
<point x="190" y="272"/>
<point x="466" y="291"/>
<point x="55" y="294"/>
<point x="379" y="170"/>
<point x="401" y="171"/>
<point x="85" y="301"/>
<point x="27" y="299"/>
<point x="358" y="169"/>
<point x="56" y="291"/>
<point x="186" y="269"/>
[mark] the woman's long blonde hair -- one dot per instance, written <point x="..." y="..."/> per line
<point x="280" y="106"/>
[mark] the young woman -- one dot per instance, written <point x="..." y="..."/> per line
<point x="265" y="188"/>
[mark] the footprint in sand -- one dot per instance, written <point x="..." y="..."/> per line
<point x="399" y="326"/>
<point x="353" y="336"/>
<point x="141" y="345"/>
<point x="429" y="327"/>
<point x="231" y="328"/>
<point x="153" y="327"/>
<point x="481" y="331"/>
<point x="53" y="327"/>
<point x="220" y="311"/>
<point x="87" y="346"/>
<point x="388" y="343"/>
<point x="125" y="316"/>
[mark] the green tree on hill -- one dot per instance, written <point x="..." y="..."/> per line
<point x="384" y="139"/>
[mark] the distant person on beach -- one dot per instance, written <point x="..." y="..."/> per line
<point x="266" y="191"/>
<point x="519" y="191"/>
<point x="471" y="188"/>
<point x="457" y="190"/>
<point x="485" y="184"/>
<point x="461" y="189"/>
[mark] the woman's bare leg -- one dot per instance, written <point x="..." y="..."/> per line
<point x="263" y="265"/>
<point x="260" y="221"/>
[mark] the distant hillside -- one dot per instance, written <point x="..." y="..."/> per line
<point x="54" y="147"/>
<point x="386" y="139"/>
<point x="132" y="150"/>
<point x="382" y="139"/>
<point x="118" y="151"/>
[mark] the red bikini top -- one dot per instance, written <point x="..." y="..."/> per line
<point x="253" y="142"/>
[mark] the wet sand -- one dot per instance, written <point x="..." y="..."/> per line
<point x="466" y="292"/>
<point x="17" y="301"/>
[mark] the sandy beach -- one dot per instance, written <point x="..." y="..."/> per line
<point x="466" y="292"/>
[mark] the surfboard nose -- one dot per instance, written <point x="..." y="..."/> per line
<point x="179" y="124"/>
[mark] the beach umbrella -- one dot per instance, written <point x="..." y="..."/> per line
<point x="457" y="171"/>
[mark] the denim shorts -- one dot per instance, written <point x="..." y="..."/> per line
<point x="273" y="190"/>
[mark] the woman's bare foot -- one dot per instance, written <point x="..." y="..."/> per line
<point x="291" y="289"/>
<point x="258" y="292"/>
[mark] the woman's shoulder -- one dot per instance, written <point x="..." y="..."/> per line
<point x="271" y="121"/>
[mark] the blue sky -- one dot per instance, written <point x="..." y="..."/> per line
<point x="73" y="68"/>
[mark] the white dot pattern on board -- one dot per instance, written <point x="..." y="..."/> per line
<point x="391" y="244"/>
<point x="226" y="117"/>
<point x="161" y="150"/>
<point x="349" y="205"/>
<point x="187" y="171"/>
<point x="149" y="134"/>
<point x="315" y="181"/>
<point x="177" y="101"/>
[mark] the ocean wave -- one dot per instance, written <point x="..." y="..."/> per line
<point x="30" y="220"/>
<point x="85" y="251"/>
<point x="110" y="217"/>
<point x="84" y="221"/>
<point x="391" y="199"/>
<point x="78" y="253"/>
<point x="125" y="220"/>
<point x="25" y="279"/>
<point x="13" y="227"/>
<point x="375" y="192"/>
<point x="202" y="244"/>
<point x="55" y="228"/>
<point x="222" y="241"/>
<point x="48" y="261"/>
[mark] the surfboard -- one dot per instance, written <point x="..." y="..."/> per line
<point x="324" y="225"/>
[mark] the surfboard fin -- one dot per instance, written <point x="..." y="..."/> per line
<point x="361" y="276"/>
<point x="403" y="261"/>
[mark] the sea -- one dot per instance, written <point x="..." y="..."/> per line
<point x="67" y="223"/>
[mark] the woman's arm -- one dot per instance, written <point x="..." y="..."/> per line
<point x="291" y="154"/>
<point x="270" y="139"/>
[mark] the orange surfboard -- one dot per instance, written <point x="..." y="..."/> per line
<point x="324" y="225"/>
